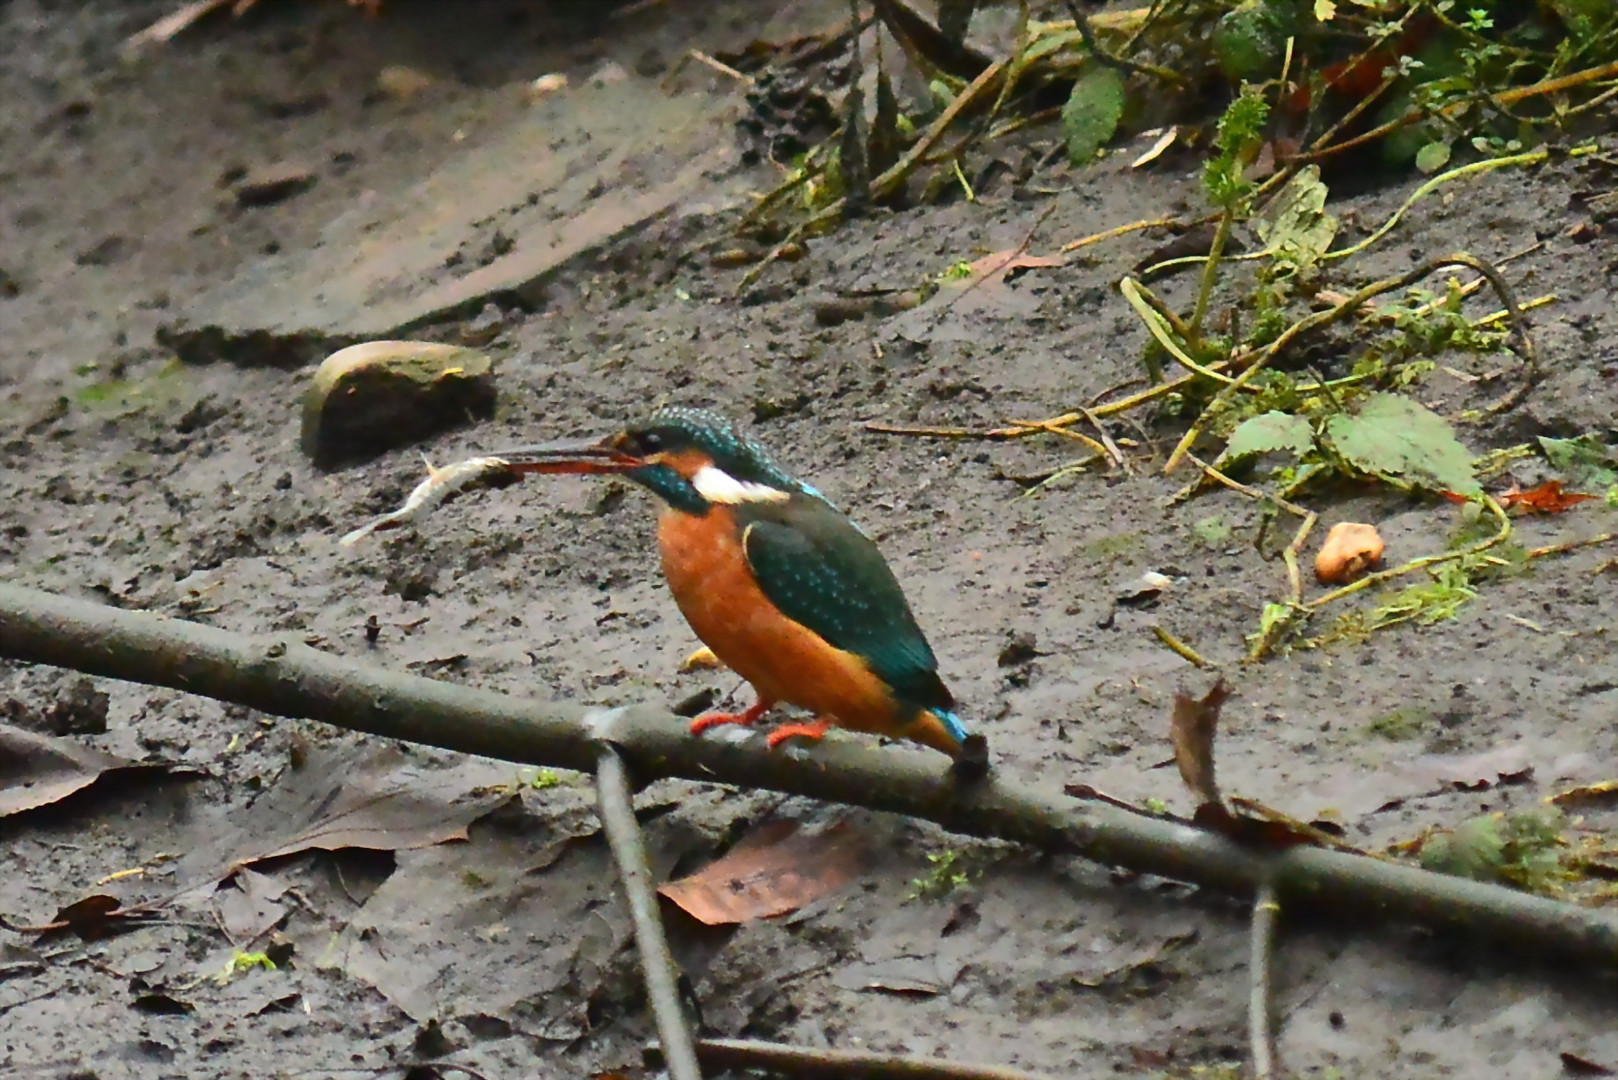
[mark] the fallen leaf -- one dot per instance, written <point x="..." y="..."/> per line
<point x="1547" y="498"/>
<point x="1604" y="792"/>
<point x="1574" y="1065"/>
<point x="37" y="770"/>
<point x="91" y="919"/>
<point x="1164" y="140"/>
<point x="1261" y="826"/>
<point x="1294" y="225"/>
<point x="1510" y="764"/>
<point x="383" y="802"/>
<point x="158" y="1003"/>
<point x="923" y="976"/>
<point x="989" y="273"/>
<point x="1192" y="731"/>
<point x="772" y="872"/>
<point x="249" y="905"/>
<point x="1351" y="549"/>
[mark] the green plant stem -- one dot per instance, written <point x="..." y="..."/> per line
<point x="1210" y="273"/>
<point x="1157" y="320"/>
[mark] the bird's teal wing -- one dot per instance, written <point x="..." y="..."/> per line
<point x="819" y="570"/>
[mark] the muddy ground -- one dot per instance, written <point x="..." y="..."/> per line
<point x="146" y="482"/>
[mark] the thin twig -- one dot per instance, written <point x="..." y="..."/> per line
<point x="1129" y="67"/>
<point x="1261" y="1003"/>
<point x="656" y="962"/>
<point x="1499" y="100"/>
<point x="1116" y="454"/>
<point x="1180" y="648"/>
<point x="284" y="677"/>
<point x="815" y="1063"/>
<point x="1120" y="230"/>
<point x="1571" y="545"/>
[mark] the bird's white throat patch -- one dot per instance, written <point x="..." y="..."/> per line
<point x="718" y="486"/>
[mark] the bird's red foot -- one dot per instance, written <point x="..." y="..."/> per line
<point x="813" y="730"/>
<point x="714" y="719"/>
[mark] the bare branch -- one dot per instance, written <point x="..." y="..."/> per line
<point x="290" y="679"/>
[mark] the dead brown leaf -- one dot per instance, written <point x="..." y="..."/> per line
<point x="1192" y="731"/>
<point x="989" y="273"/>
<point x="382" y="804"/>
<point x="1603" y="793"/>
<point x="1512" y="764"/>
<point x="90" y="919"/>
<point x="771" y="872"/>
<point x="1547" y="498"/>
<point x="37" y="770"/>
<point x="1574" y="1065"/>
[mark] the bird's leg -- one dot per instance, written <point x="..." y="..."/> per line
<point x="812" y="730"/>
<point x="752" y="716"/>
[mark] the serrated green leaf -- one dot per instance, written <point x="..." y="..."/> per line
<point x="1325" y="10"/>
<point x="1433" y="156"/>
<point x="1403" y="441"/>
<point x="1583" y="461"/>
<point x="1091" y="115"/>
<point x="1268" y="433"/>
<point x="1294" y="225"/>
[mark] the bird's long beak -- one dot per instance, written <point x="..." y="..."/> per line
<point x="573" y="456"/>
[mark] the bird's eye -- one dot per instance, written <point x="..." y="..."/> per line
<point x="650" y="442"/>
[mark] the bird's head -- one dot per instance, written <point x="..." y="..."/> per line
<point x="692" y="458"/>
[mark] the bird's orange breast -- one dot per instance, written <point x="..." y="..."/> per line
<point x="707" y="571"/>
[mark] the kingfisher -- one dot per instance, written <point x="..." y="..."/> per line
<point x="777" y="581"/>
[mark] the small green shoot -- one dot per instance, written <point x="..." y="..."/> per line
<point x="243" y="961"/>
<point x="948" y="874"/>
<point x="531" y="780"/>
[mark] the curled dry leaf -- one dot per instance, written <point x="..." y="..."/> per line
<point x="1547" y="498"/>
<point x="36" y="770"/>
<point x="772" y="872"/>
<point x="1351" y="549"/>
<point x="95" y="917"/>
<point x="1192" y="730"/>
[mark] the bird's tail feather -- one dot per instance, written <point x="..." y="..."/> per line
<point x="939" y="729"/>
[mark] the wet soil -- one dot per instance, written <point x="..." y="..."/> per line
<point x="143" y="481"/>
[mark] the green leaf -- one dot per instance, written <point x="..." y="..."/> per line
<point x="1092" y="112"/>
<point x="1476" y="850"/>
<point x="1268" y="433"/>
<point x="1294" y="225"/>
<point x="1433" y="156"/>
<point x="1400" y="440"/>
<point x="1584" y="461"/>
<point x="1250" y="40"/>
